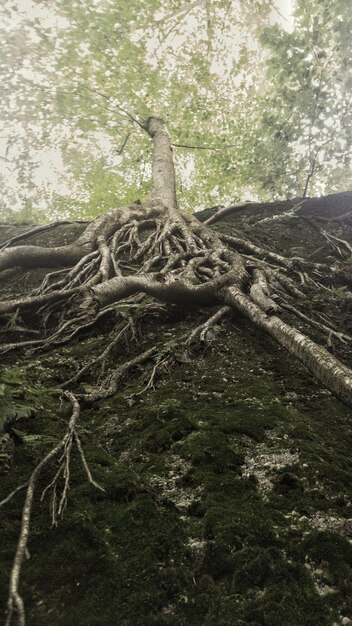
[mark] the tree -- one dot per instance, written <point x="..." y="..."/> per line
<point x="106" y="59"/>
<point x="229" y="108"/>
<point x="124" y="68"/>
<point x="151" y="248"/>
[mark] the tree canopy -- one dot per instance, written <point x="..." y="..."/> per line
<point x="257" y="102"/>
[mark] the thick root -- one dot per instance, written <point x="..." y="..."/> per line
<point x="334" y="375"/>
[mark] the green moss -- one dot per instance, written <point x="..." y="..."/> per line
<point x="334" y="554"/>
<point x="184" y="533"/>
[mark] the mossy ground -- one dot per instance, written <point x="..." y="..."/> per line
<point x="198" y="524"/>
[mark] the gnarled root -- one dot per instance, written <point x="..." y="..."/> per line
<point x="157" y="250"/>
<point x="191" y="265"/>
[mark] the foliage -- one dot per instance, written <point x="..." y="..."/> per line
<point x="234" y="78"/>
<point x="20" y="398"/>
<point x="308" y="104"/>
<point x="11" y="410"/>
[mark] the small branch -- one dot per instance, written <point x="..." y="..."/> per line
<point x="111" y="100"/>
<point x="204" y="328"/>
<point x="123" y="145"/>
<point x="275" y="8"/>
<point x="182" y="12"/>
<point x="309" y="176"/>
<point x="184" y="145"/>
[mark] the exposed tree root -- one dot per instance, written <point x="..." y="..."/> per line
<point x="15" y="601"/>
<point x="156" y="250"/>
<point x="341" y="246"/>
<point x="103" y="356"/>
<point x="203" y="331"/>
<point x="293" y="264"/>
<point x="35" y="231"/>
<point x="115" y="378"/>
<point x="228" y="210"/>
<point x="12" y="494"/>
<point x="325" y="367"/>
<point x="327" y="330"/>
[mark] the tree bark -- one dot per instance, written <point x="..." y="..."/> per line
<point x="163" y="190"/>
<point x="326" y="368"/>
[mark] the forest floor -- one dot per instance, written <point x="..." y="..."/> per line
<point x="228" y="492"/>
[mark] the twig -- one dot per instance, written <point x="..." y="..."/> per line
<point x="185" y="145"/>
<point x="123" y="145"/>
<point x="205" y="327"/>
<point x="109" y="99"/>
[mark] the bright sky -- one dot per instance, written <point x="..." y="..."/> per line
<point x="286" y="20"/>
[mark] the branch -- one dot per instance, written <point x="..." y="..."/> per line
<point x="309" y="176"/>
<point x="183" y="145"/>
<point x="109" y="99"/>
<point x="184" y="10"/>
<point x="123" y="145"/>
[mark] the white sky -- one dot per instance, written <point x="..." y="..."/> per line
<point x="286" y="19"/>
